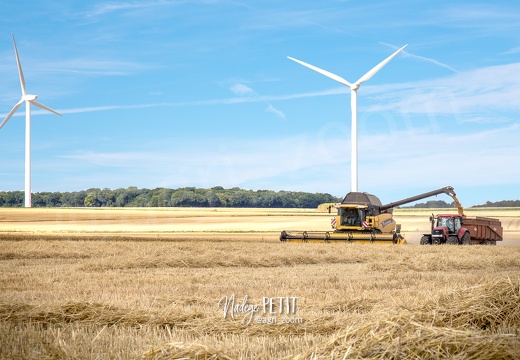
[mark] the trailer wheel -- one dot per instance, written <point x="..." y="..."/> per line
<point x="425" y="240"/>
<point x="466" y="239"/>
<point x="488" y="242"/>
<point x="452" y="240"/>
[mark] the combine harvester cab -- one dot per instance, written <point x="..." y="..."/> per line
<point x="361" y="218"/>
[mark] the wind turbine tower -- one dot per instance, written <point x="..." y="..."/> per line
<point x="353" y="103"/>
<point x="28" y="99"/>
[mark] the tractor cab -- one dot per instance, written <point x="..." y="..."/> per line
<point x="452" y="223"/>
<point x="447" y="224"/>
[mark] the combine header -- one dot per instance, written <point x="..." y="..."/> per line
<point x="361" y="218"/>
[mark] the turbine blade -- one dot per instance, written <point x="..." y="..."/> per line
<point x="323" y="72"/>
<point x="13" y="110"/>
<point x="378" y="67"/>
<point x="20" y="72"/>
<point x="34" y="102"/>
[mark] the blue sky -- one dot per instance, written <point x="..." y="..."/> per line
<point x="201" y="93"/>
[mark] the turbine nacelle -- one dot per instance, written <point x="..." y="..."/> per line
<point x="28" y="97"/>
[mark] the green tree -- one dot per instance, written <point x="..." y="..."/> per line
<point x="91" y="200"/>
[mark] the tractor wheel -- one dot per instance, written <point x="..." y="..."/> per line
<point x="466" y="239"/>
<point x="425" y="240"/>
<point x="452" y="240"/>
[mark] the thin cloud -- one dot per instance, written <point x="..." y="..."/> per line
<point x="242" y="163"/>
<point x="515" y="50"/>
<point x="278" y="113"/>
<point x="232" y="164"/>
<point x="432" y="61"/>
<point x="244" y="91"/>
<point x="241" y="89"/>
<point x="484" y="89"/>
<point x="95" y="67"/>
<point x="422" y="58"/>
<point x="118" y="159"/>
<point x="92" y="109"/>
<point x="82" y="66"/>
<point x="105" y="8"/>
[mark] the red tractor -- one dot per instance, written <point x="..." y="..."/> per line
<point x="458" y="229"/>
<point x="449" y="230"/>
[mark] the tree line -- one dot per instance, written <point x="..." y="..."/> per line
<point x="441" y="204"/>
<point x="195" y="197"/>
<point x="503" y="203"/>
<point x="438" y="204"/>
<point x="164" y="197"/>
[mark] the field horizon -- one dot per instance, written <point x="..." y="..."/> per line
<point x="218" y="222"/>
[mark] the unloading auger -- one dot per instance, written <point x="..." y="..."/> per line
<point x="361" y="218"/>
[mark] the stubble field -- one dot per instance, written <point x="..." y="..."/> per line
<point x="155" y="283"/>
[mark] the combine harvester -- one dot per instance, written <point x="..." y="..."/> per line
<point x="361" y="218"/>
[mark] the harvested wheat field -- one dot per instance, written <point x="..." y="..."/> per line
<point x="161" y="284"/>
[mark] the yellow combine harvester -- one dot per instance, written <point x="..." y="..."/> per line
<point x="362" y="218"/>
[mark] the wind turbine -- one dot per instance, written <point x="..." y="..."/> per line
<point x="353" y="103"/>
<point x="28" y="99"/>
